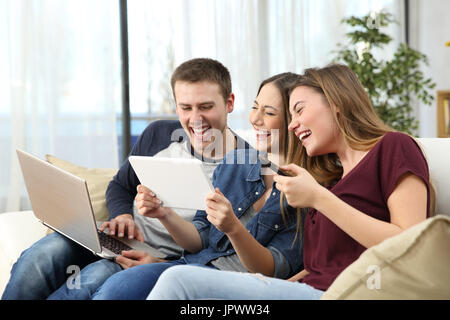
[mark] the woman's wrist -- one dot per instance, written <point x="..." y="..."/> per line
<point x="237" y="228"/>
<point x="321" y="196"/>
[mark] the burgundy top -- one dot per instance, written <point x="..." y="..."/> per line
<point x="327" y="249"/>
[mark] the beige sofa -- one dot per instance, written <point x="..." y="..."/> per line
<point x="413" y="265"/>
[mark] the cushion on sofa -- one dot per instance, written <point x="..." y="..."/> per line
<point x="411" y="265"/>
<point x="439" y="170"/>
<point x="97" y="181"/>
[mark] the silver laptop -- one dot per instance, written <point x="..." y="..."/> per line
<point x="60" y="200"/>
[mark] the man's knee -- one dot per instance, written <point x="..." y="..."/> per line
<point x="52" y="244"/>
<point x="45" y="258"/>
<point x="40" y="251"/>
<point x="99" y="271"/>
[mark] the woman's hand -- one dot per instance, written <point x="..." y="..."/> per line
<point x="148" y="204"/>
<point x="298" y="276"/>
<point x="301" y="190"/>
<point x="220" y="212"/>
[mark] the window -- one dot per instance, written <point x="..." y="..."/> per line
<point x="254" y="39"/>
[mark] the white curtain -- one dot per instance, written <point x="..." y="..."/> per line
<point x="59" y="86"/>
<point x="254" y="39"/>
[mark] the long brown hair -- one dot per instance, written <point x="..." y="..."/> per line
<point x="357" y="120"/>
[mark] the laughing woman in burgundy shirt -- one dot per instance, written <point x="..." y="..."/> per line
<point x="362" y="181"/>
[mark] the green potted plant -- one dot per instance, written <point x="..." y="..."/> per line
<point x="391" y="84"/>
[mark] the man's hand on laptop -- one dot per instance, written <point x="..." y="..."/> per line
<point x="124" y="225"/>
<point x="134" y="258"/>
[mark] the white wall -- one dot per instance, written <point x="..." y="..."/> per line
<point x="429" y="30"/>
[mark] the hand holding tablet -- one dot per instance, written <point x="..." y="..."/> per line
<point x="178" y="183"/>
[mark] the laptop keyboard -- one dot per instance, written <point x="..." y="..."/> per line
<point x="112" y="244"/>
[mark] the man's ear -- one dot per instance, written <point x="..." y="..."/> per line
<point x="230" y="103"/>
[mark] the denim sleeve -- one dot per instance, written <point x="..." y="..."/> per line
<point x="282" y="268"/>
<point x="203" y="226"/>
<point x="290" y="250"/>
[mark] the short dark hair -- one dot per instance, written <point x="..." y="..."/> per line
<point x="203" y="69"/>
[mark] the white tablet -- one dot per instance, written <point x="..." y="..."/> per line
<point x="178" y="183"/>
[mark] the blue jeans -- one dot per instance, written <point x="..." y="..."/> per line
<point x="136" y="283"/>
<point x="57" y="268"/>
<point x="192" y="283"/>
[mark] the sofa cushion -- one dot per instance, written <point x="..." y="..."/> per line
<point x="411" y="265"/>
<point x="439" y="171"/>
<point x="97" y="181"/>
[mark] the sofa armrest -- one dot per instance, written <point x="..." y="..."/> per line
<point x="18" y="231"/>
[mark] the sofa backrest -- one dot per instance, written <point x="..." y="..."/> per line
<point x="437" y="151"/>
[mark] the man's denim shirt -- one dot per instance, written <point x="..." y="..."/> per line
<point x="239" y="178"/>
